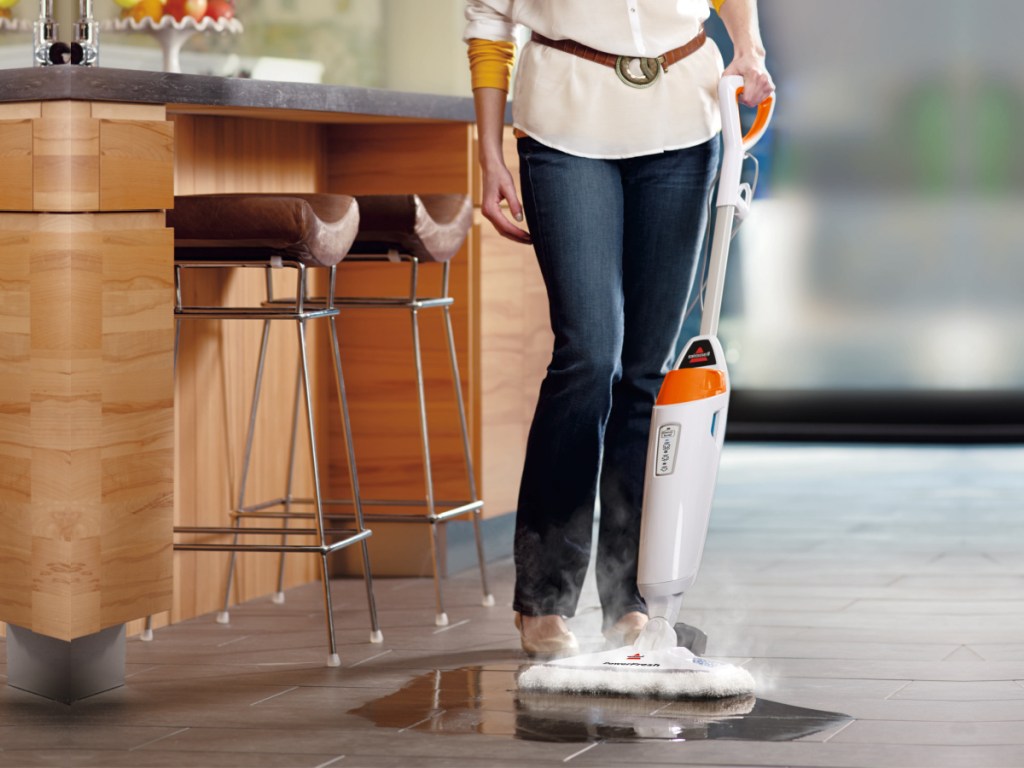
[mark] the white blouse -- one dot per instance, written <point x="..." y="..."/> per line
<point x="583" y="108"/>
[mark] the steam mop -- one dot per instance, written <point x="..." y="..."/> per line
<point x="684" y="447"/>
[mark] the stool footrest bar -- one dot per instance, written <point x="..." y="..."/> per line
<point x="242" y="531"/>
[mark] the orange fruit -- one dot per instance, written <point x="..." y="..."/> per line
<point x="147" y="9"/>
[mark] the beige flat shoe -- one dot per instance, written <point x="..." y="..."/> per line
<point x="626" y="630"/>
<point x="545" y="636"/>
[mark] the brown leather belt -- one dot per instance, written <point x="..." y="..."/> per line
<point x="621" y="64"/>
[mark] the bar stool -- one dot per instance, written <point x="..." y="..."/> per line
<point x="272" y="232"/>
<point x="412" y="230"/>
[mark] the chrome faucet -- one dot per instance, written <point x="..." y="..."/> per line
<point x="85" y="49"/>
<point x="47" y="49"/>
<point x="44" y="33"/>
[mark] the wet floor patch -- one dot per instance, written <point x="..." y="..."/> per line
<point x="483" y="701"/>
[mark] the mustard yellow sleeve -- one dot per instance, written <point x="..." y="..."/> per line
<point x="490" y="63"/>
<point x="717" y="5"/>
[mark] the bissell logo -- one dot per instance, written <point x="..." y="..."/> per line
<point x="699" y="354"/>
<point x="631" y="661"/>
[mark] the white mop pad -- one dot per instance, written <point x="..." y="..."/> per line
<point x="674" y="673"/>
<point x="608" y="709"/>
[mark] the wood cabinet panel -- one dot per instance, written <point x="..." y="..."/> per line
<point x="65" y="149"/>
<point x="136" y="168"/>
<point x="70" y="156"/>
<point x="87" y="420"/>
<point x="16" y="189"/>
<point x="426" y="158"/>
<point x="223" y="154"/>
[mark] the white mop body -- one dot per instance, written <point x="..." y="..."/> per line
<point x="673" y="673"/>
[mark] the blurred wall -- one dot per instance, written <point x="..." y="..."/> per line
<point x="346" y="36"/>
<point x="887" y="254"/>
<point x="423" y="46"/>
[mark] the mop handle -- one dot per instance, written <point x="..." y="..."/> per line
<point x="735" y="145"/>
<point x="733" y="197"/>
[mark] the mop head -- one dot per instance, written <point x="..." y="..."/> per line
<point x="673" y="673"/>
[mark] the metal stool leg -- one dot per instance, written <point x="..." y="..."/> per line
<point x="438" y="511"/>
<point x="441" y="617"/>
<point x="278" y="597"/>
<point x="333" y="660"/>
<point x="488" y="598"/>
<point x="224" y="616"/>
<point x="376" y="636"/>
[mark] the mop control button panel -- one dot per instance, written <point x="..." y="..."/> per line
<point x="668" y="442"/>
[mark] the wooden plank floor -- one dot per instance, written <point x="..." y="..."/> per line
<point x="876" y="594"/>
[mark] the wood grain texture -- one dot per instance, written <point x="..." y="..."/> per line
<point x="23" y="110"/>
<point x="87" y="420"/>
<point x="16" y="190"/>
<point x="73" y="156"/>
<point x="15" y="424"/>
<point x="86" y="367"/>
<point x="238" y="155"/>
<point x="66" y="144"/>
<point x="381" y="159"/>
<point x="112" y="110"/>
<point x="136" y="167"/>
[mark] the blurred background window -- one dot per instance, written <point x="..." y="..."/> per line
<point x="888" y="254"/>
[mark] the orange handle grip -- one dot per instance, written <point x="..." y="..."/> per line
<point x="761" y="120"/>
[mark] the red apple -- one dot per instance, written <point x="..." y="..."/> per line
<point x="179" y="9"/>
<point x="220" y="9"/>
<point x="175" y="9"/>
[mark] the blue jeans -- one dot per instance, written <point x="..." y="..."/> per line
<point x="617" y="242"/>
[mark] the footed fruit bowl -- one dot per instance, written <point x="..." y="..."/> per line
<point x="173" y="33"/>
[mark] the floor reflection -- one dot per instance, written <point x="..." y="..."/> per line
<point x="478" y="700"/>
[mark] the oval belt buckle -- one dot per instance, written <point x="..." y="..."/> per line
<point x="649" y="71"/>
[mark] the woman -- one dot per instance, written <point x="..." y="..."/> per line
<point x="617" y="124"/>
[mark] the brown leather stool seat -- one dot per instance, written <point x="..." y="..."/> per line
<point x="420" y="231"/>
<point x="427" y="227"/>
<point x="274" y="232"/>
<point x="315" y="229"/>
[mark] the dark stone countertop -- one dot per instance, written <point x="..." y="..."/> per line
<point x="141" y="87"/>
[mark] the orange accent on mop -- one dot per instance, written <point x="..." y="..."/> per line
<point x="688" y="384"/>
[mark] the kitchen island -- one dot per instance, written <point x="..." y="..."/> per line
<point x="104" y="447"/>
